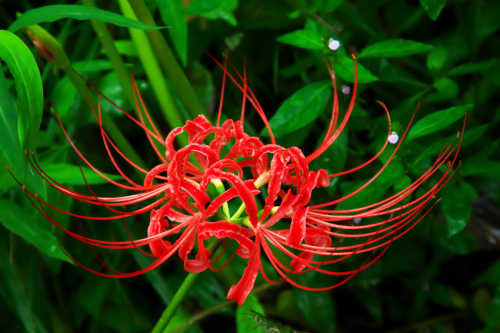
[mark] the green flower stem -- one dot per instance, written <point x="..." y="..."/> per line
<point x="108" y="123"/>
<point x="154" y="74"/>
<point x="179" y="296"/>
<point x="118" y="66"/>
<point x="168" y="61"/>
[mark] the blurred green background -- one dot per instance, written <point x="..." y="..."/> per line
<point x="442" y="276"/>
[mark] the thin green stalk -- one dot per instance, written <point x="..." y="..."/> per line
<point x="154" y="74"/>
<point x="168" y="61"/>
<point x="179" y="296"/>
<point x="118" y="66"/>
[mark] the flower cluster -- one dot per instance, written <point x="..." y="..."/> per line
<point x="187" y="212"/>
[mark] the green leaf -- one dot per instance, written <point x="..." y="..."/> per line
<point x="202" y="6"/>
<point x="478" y="164"/>
<point x="446" y="89"/>
<point x="333" y="159"/>
<point x="28" y="82"/>
<point x="461" y="243"/>
<point x="447" y="296"/>
<point x="318" y="309"/>
<point x="19" y="222"/>
<point x="433" y="7"/>
<point x="171" y="12"/>
<point x="471" y="68"/>
<point x="9" y="140"/>
<point x="223" y="11"/>
<point x="470" y="136"/>
<point x="436" y="58"/>
<point x="402" y="184"/>
<point x="490" y="275"/>
<point x="344" y="68"/>
<point x="306" y="39"/>
<point x="327" y="5"/>
<point x="53" y="13"/>
<point x="457" y="208"/>
<point x="436" y="121"/>
<point x="301" y="108"/>
<point x="394" y="48"/>
<point x="244" y="324"/>
<point x="376" y="190"/>
<point x="70" y="174"/>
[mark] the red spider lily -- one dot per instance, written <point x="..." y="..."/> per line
<point x="313" y="240"/>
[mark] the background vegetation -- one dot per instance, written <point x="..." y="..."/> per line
<point x="442" y="276"/>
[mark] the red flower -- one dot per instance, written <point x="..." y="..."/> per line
<point x="183" y="206"/>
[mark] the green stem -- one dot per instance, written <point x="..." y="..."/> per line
<point x="119" y="66"/>
<point x="179" y="296"/>
<point x="168" y="61"/>
<point x="154" y="74"/>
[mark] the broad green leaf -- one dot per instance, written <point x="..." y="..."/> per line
<point x="306" y="39"/>
<point x="470" y="136"/>
<point x="53" y="13"/>
<point x="28" y="82"/>
<point x="376" y="190"/>
<point x="457" y="208"/>
<point x="71" y="174"/>
<point x="19" y="222"/>
<point x="402" y="184"/>
<point x="10" y="144"/>
<point x="481" y="168"/>
<point x="447" y="89"/>
<point x="171" y="12"/>
<point x="436" y="58"/>
<point x="333" y="159"/>
<point x="437" y="121"/>
<point x="301" y="108"/>
<point x="479" y="164"/>
<point x="490" y="275"/>
<point x="471" y="68"/>
<point x="224" y="11"/>
<point x="244" y="324"/>
<point x="203" y="6"/>
<point x="318" y="308"/>
<point x="327" y="5"/>
<point x="433" y="7"/>
<point x="447" y="296"/>
<point x="344" y="68"/>
<point x="394" y="48"/>
<point x="461" y="243"/>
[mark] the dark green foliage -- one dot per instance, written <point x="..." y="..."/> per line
<point x="441" y="276"/>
